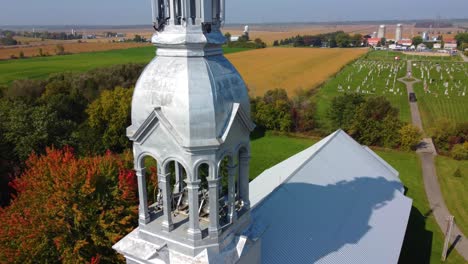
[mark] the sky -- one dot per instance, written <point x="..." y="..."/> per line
<point x="138" y="12"/>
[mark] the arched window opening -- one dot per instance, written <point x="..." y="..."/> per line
<point x="242" y="184"/>
<point x="203" y="208"/>
<point x="178" y="192"/>
<point x="216" y="10"/>
<point x="224" y="191"/>
<point x="177" y="9"/>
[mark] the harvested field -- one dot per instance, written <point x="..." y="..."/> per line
<point x="290" y="68"/>
<point x="70" y="47"/>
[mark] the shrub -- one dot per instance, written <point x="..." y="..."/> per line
<point x="460" y="151"/>
<point x="410" y="137"/>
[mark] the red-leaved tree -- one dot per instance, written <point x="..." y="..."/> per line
<point x="69" y="209"/>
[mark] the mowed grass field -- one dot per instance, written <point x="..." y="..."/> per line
<point x="423" y="241"/>
<point x="454" y="189"/>
<point x="446" y="93"/>
<point x="36" y="68"/>
<point x="290" y="68"/>
<point x="370" y="78"/>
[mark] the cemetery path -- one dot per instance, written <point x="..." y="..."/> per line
<point x="427" y="151"/>
<point x="465" y="58"/>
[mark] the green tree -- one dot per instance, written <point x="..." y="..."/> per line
<point x="138" y="38"/>
<point x="32" y="129"/>
<point x="273" y="111"/>
<point x="410" y="137"/>
<point x="228" y="37"/>
<point x="109" y="116"/>
<point x="462" y="38"/>
<point x="376" y="123"/>
<point x="417" y="40"/>
<point x="276" y="43"/>
<point x="342" y="40"/>
<point x="460" y="151"/>
<point x="343" y="109"/>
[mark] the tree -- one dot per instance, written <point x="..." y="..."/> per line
<point x="410" y="137"/>
<point x="376" y="123"/>
<point x="228" y="37"/>
<point x="138" y="38"/>
<point x="69" y="210"/>
<point x="109" y="116"/>
<point x="276" y="43"/>
<point x="273" y="111"/>
<point x="60" y="49"/>
<point x="462" y="38"/>
<point x="32" y="129"/>
<point x="343" y="109"/>
<point x="460" y="151"/>
<point x="342" y="40"/>
<point x="417" y="40"/>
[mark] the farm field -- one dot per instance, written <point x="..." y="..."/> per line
<point x="368" y="77"/>
<point x="442" y="92"/>
<point x="36" y="68"/>
<point x="423" y="241"/>
<point x="454" y="189"/>
<point x="290" y="68"/>
<point x="50" y="48"/>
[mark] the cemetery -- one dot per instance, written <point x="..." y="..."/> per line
<point x="370" y="78"/>
<point x="442" y="91"/>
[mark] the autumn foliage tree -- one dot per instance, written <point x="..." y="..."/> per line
<point x="69" y="209"/>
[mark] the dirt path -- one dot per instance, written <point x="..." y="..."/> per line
<point x="426" y="152"/>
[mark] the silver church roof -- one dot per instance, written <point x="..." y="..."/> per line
<point x="336" y="202"/>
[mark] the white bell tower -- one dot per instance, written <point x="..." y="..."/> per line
<point x="191" y="114"/>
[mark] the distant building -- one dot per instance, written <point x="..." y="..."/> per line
<point x="382" y="31"/>
<point x="399" y="33"/>
<point x="421" y="47"/>
<point x="437" y="46"/>
<point x="425" y="36"/>
<point x="450" y="44"/>
<point x="374" y="41"/>
<point x="406" y="42"/>
<point x="120" y="35"/>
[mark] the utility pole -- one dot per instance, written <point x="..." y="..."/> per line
<point x="448" y="235"/>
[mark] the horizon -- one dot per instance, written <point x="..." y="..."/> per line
<point x="123" y="13"/>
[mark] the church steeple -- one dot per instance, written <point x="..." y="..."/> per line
<point x="191" y="114"/>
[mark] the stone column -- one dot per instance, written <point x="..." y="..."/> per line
<point x="165" y="181"/>
<point x="232" y="214"/>
<point x="214" y="227"/>
<point x="194" y="231"/>
<point x="143" y="214"/>
<point x="244" y="161"/>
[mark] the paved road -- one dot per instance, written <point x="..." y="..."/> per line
<point x="426" y="152"/>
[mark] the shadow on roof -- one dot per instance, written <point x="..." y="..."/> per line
<point x="305" y="223"/>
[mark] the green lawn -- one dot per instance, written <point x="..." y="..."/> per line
<point x="35" y="68"/>
<point x="368" y="77"/>
<point x="424" y="239"/>
<point x="447" y="91"/>
<point x="454" y="189"/>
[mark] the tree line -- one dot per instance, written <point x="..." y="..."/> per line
<point x="332" y="40"/>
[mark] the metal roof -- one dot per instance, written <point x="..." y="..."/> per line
<point x="336" y="202"/>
